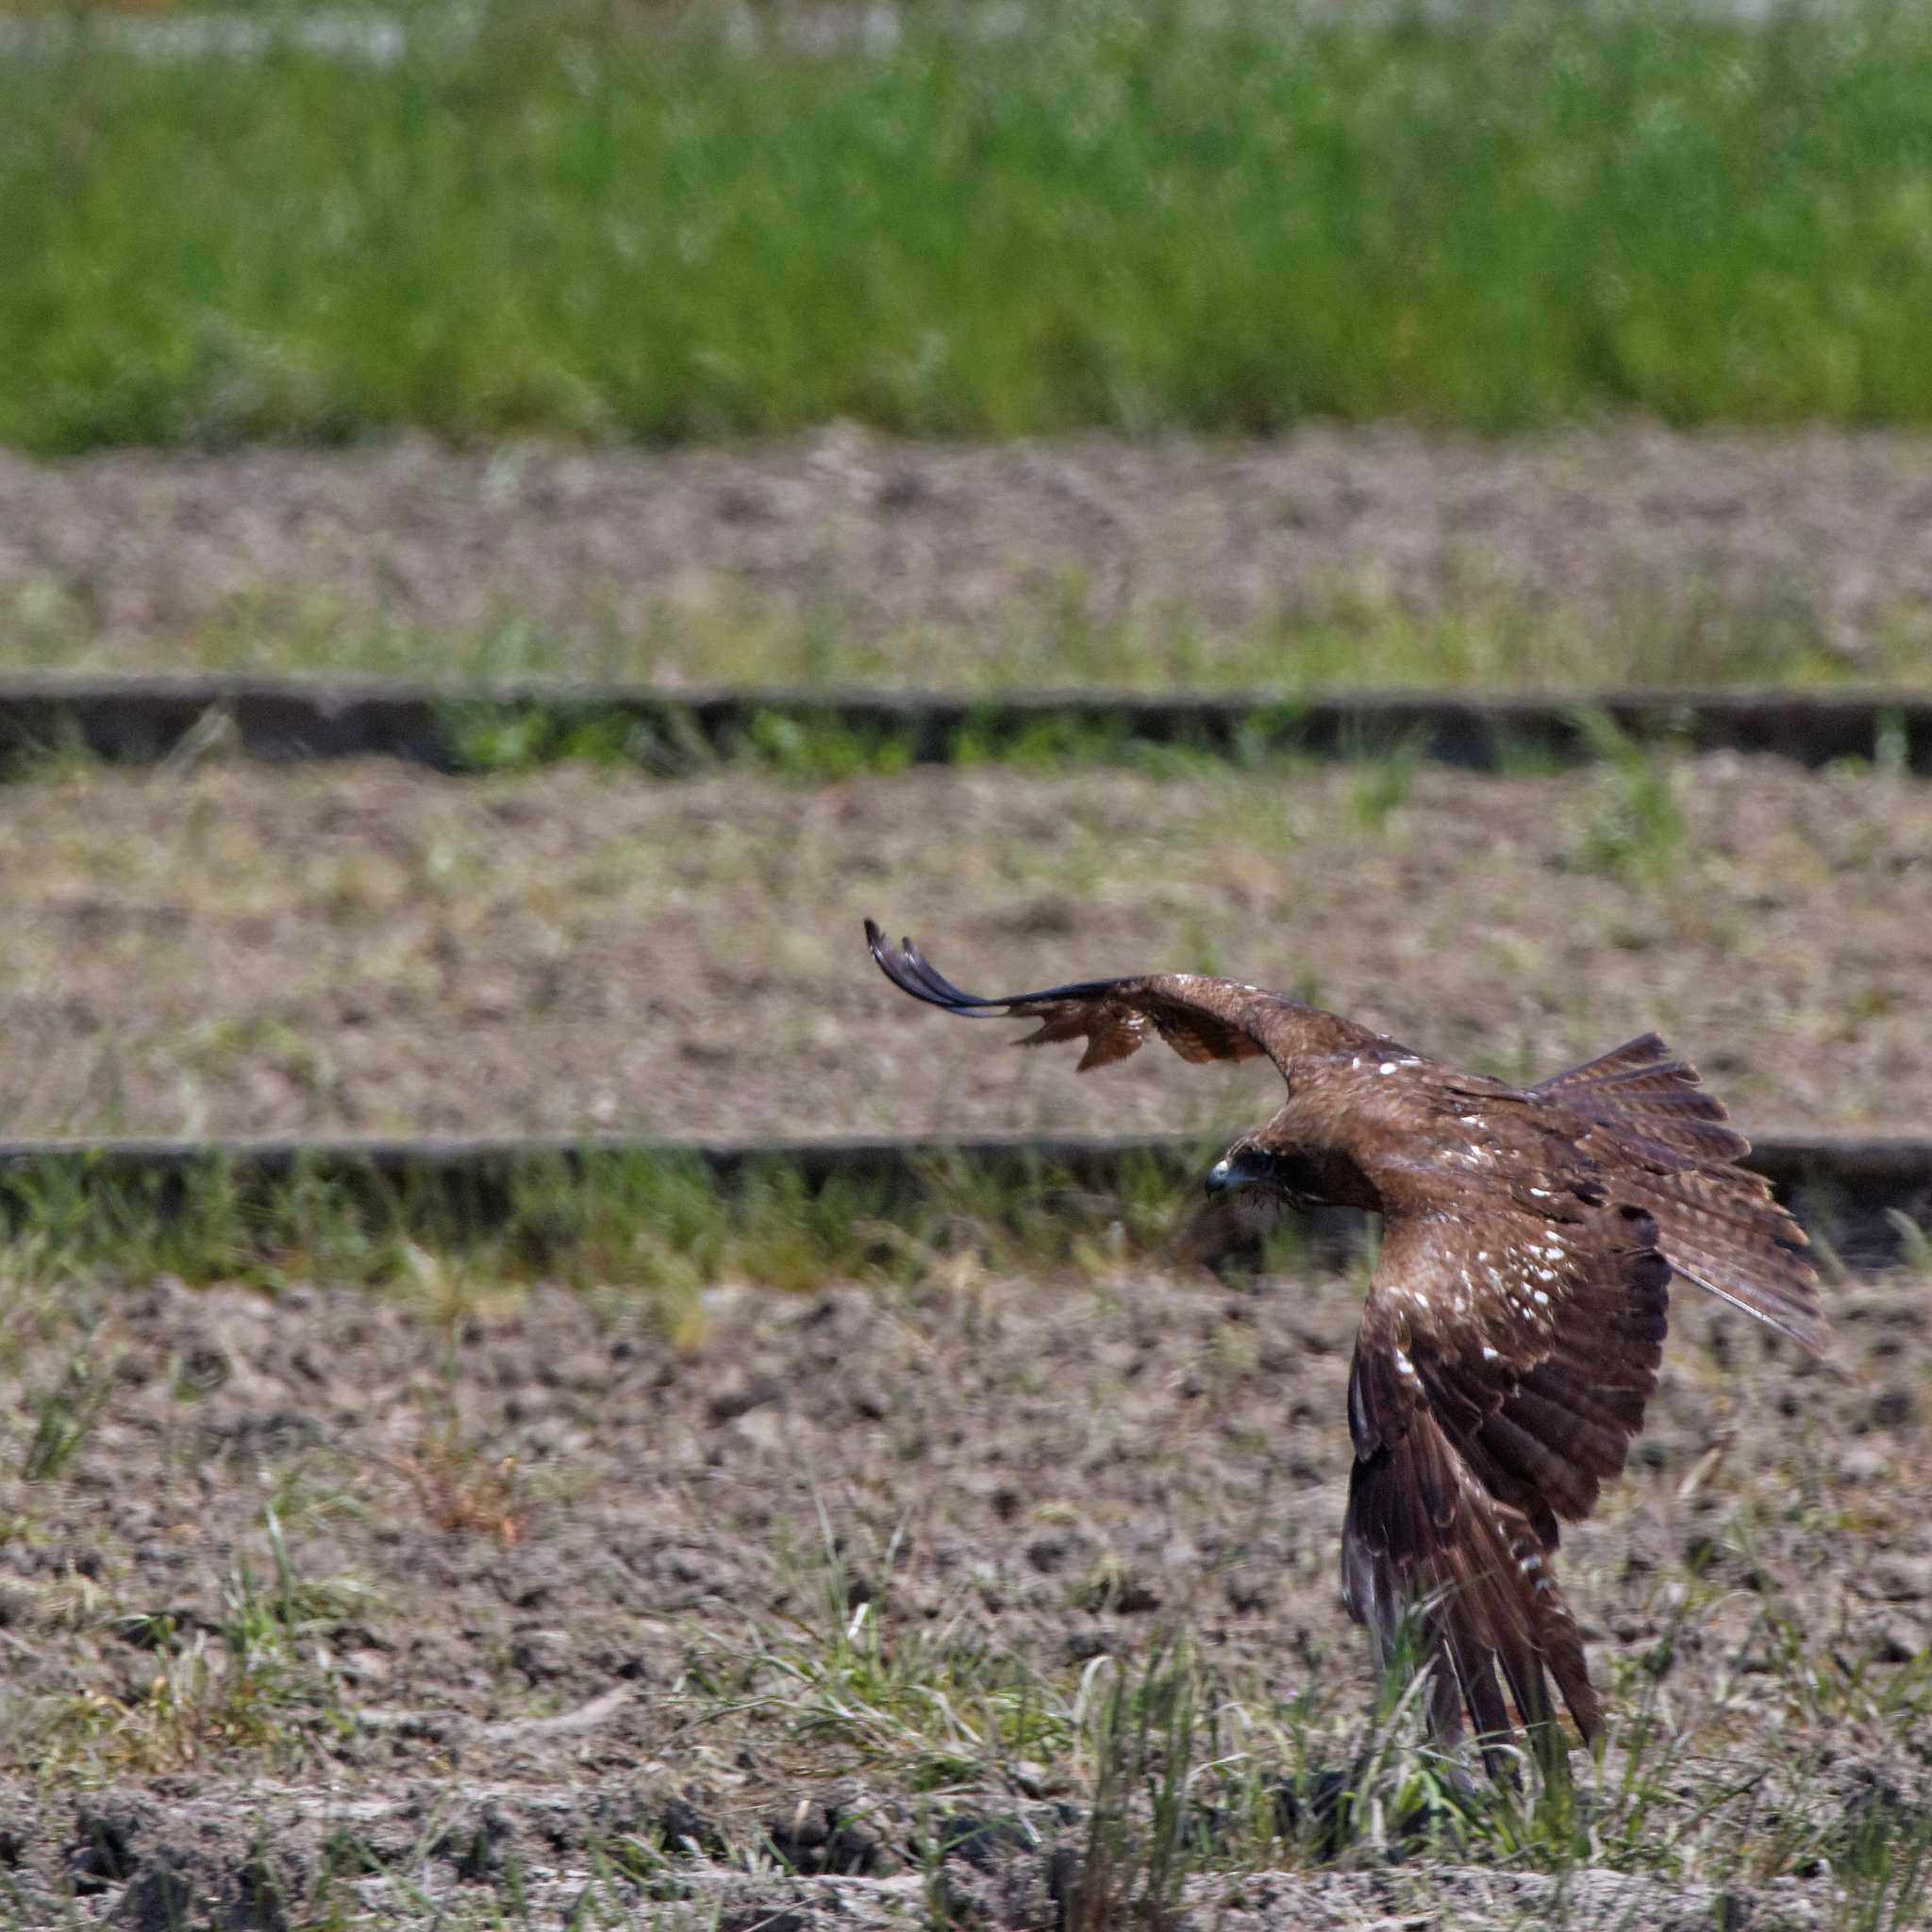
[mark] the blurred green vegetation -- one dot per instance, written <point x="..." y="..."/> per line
<point x="593" y="222"/>
<point x="653" y="1227"/>
<point x="1481" y="639"/>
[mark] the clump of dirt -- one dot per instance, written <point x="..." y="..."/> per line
<point x="763" y="1644"/>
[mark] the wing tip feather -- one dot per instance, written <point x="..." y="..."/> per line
<point x="913" y="973"/>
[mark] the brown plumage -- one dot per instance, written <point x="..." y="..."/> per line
<point x="1513" y="1329"/>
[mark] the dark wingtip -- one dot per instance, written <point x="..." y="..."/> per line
<point x="907" y="968"/>
<point x="893" y="961"/>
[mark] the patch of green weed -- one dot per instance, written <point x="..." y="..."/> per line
<point x="1636" y="828"/>
<point x="255" y="1682"/>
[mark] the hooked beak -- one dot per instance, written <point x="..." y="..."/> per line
<point x="1234" y="1171"/>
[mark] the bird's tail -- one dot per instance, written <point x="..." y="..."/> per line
<point x="1717" y="1222"/>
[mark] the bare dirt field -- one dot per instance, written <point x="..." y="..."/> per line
<point x="1675" y="556"/>
<point x="373" y="949"/>
<point x="470" y="1604"/>
<point x="331" y="1610"/>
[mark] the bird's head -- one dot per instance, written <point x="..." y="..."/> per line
<point x="1247" y="1164"/>
<point x="1246" y="1199"/>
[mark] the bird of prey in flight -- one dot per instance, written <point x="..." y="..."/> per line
<point x="1514" y="1325"/>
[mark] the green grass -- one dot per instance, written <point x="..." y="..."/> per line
<point x="251" y="1684"/>
<point x="810" y="745"/>
<point x="663" y="1229"/>
<point x="1636" y="831"/>
<point x="1168" y="216"/>
<point x="1343" y="635"/>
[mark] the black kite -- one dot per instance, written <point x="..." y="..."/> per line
<point x="1512" y="1333"/>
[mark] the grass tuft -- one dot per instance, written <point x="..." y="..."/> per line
<point x="1635" y="830"/>
<point x="65" y="1417"/>
<point x="1143" y="1827"/>
<point x="256" y="1682"/>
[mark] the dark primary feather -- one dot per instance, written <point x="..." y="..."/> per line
<point x="911" y="971"/>
<point x="1512" y="1334"/>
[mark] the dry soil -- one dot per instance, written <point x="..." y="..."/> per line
<point x="567" y="1603"/>
<point x="121" y="555"/>
<point x="373" y="949"/>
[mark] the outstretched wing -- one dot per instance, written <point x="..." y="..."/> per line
<point x="1505" y="1355"/>
<point x="1202" y="1019"/>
